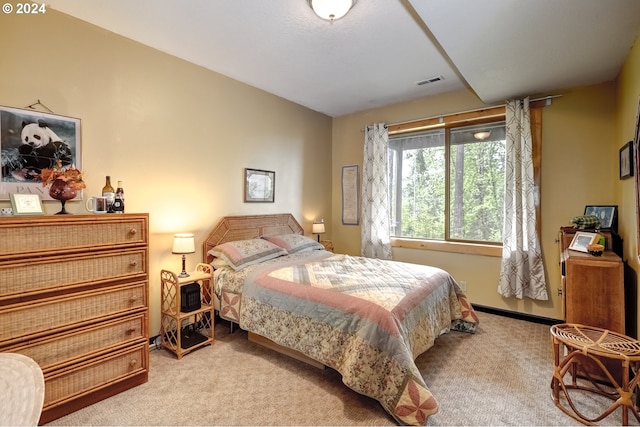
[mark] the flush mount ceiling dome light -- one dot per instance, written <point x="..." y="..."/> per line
<point x="482" y="135"/>
<point x="331" y="9"/>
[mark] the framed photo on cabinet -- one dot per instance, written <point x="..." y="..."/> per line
<point x="583" y="239"/>
<point x="607" y="215"/>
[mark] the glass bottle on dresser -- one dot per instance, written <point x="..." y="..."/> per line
<point x="109" y="193"/>
<point x="118" y="203"/>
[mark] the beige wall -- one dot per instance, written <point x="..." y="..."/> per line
<point x="579" y="167"/>
<point x="628" y="98"/>
<point x="179" y="136"/>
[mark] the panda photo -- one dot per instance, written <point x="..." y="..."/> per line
<point x="29" y="144"/>
<point x="41" y="148"/>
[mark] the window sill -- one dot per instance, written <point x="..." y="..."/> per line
<point x="455" y="247"/>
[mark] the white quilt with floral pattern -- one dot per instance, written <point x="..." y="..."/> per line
<point x="367" y="318"/>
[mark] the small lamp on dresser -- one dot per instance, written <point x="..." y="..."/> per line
<point x="318" y="228"/>
<point x="183" y="243"/>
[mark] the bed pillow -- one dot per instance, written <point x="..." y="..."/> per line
<point x="219" y="263"/>
<point x="242" y="253"/>
<point x="293" y="243"/>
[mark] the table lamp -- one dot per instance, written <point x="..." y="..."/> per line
<point x="183" y="243"/>
<point x="318" y="228"/>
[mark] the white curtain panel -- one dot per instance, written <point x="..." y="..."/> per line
<point x="376" y="241"/>
<point x="522" y="271"/>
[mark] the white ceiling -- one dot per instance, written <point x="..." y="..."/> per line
<point x="381" y="49"/>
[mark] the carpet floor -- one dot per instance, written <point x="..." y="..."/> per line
<point x="499" y="376"/>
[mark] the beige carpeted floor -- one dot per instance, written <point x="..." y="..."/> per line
<point x="499" y="376"/>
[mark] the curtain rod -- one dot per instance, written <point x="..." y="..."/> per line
<point x="547" y="98"/>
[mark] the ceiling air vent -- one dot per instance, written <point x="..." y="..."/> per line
<point x="430" y="80"/>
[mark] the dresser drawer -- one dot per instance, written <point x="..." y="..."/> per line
<point x="91" y="376"/>
<point x="51" y="315"/>
<point x="81" y="344"/>
<point x="52" y="235"/>
<point x="69" y="271"/>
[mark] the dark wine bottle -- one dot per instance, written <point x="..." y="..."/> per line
<point x="118" y="203"/>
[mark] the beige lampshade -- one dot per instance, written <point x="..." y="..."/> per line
<point x="318" y="227"/>
<point x="183" y="243"/>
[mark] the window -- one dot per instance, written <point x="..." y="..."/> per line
<point x="448" y="183"/>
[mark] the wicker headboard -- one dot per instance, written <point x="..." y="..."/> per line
<point x="243" y="227"/>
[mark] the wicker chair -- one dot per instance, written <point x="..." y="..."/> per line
<point x="21" y="390"/>
<point x="574" y="345"/>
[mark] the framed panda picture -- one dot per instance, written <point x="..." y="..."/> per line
<point x="30" y="141"/>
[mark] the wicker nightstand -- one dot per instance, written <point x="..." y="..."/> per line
<point x="328" y="245"/>
<point x="182" y="332"/>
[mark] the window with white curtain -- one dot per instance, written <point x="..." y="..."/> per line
<point x="447" y="183"/>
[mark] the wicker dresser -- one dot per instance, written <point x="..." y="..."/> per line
<point x="74" y="293"/>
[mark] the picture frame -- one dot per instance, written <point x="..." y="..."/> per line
<point x="583" y="239"/>
<point x="26" y="204"/>
<point x="636" y="166"/>
<point x="259" y="186"/>
<point x="57" y="138"/>
<point x="350" y="195"/>
<point x="607" y="214"/>
<point x="626" y="160"/>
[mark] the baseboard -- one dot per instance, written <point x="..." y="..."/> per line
<point x="154" y="342"/>
<point x="517" y="315"/>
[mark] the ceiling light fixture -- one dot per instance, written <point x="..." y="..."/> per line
<point x="331" y="10"/>
<point x="482" y="135"/>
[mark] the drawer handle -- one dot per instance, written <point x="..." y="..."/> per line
<point x="131" y="331"/>
<point x="133" y="299"/>
<point x="133" y="263"/>
<point x="133" y="363"/>
<point x="132" y="231"/>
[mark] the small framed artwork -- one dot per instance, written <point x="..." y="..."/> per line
<point x="582" y="239"/>
<point x="26" y="204"/>
<point x="626" y="160"/>
<point x="607" y="214"/>
<point x="259" y="185"/>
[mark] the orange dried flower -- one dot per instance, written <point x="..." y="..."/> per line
<point x="71" y="175"/>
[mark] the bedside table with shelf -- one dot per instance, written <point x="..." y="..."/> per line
<point x="182" y="332"/>
<point x="328" y="245"/>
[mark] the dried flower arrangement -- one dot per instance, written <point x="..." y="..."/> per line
<point x="70" y="175"/>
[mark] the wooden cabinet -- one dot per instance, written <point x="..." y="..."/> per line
<point x="74" y="298"/>
<point x="594" y="290"/>
<point x="185" y="331"/>
<point x="593" y="294"/>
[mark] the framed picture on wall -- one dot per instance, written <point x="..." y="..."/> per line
<point x="636" y="165"/>
<point x="626" y="160"/>
<point x="30" y="141"/>
<point x="259" y="185"/>
<point x="350" y="195"/>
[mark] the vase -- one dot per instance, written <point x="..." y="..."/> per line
<point x="61" y="190"/>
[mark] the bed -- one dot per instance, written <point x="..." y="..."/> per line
<point x="366" y="318"/>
